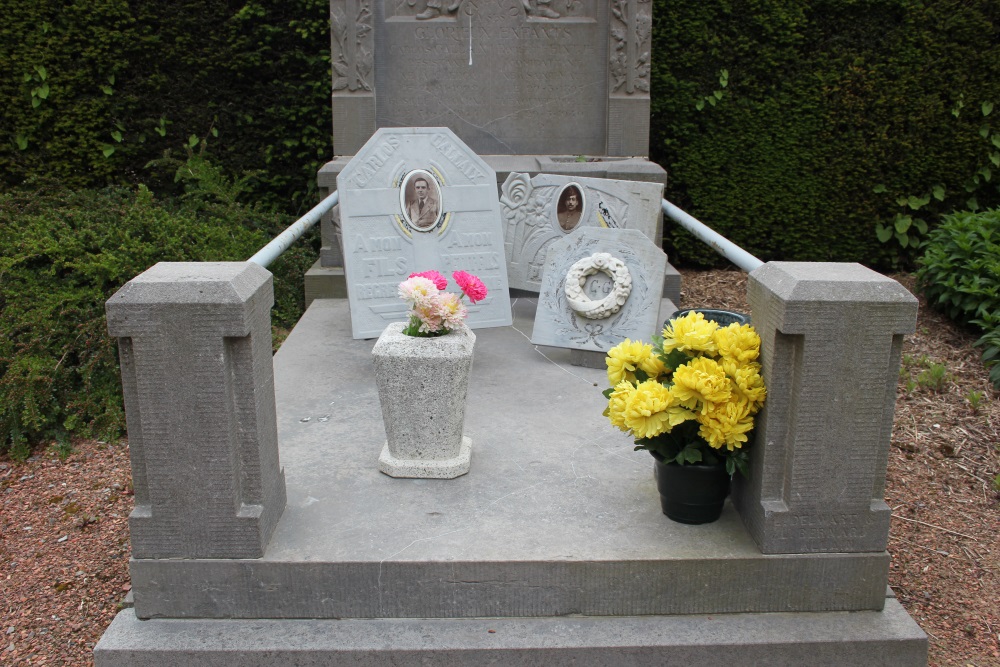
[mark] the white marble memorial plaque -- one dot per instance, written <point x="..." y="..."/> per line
<point x="542" y="209"/>
<point x="412" y="200"/>
<point x="600" y="287"/>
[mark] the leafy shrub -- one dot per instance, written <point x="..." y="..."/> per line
<point x="66" y="252"/>
<point x="823" y="101"/>
<point x="92" y="90"/>
<point x="960" y="274"/>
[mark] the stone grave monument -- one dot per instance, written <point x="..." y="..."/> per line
<point x="557" y="87"/>
<point x="551" y="551"/>
<point x="600" y="287"/>
<point x="412" y="200"/>
<point x="542" y="209"/>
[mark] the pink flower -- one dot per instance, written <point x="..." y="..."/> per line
<point x="472" y="286"/>
<point x="417" y="291"/>
<point x="451" y="310"/>
<point x="439" y="281"/>
<point x="429" y="317"/>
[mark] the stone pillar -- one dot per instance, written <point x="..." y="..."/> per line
<point x="194" y="343"/>
<point x="831" y="340"/>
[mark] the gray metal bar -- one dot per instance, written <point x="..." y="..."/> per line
<point x="720" y="243"/>
<point x="282" y="241"/>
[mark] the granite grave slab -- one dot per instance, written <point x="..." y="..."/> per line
<point x="600" y="287"/>
<point x="417" y="199"/>
<point x="542" y="209"/>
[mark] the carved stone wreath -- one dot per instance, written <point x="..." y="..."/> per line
<point x="577" y="276"/>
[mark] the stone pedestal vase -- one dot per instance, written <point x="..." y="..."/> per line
<point x="422" y="383"/>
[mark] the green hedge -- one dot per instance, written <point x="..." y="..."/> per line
<point x="92" y="91"/>
<point x="825" y="100"/>
<point x="66" y="252"/>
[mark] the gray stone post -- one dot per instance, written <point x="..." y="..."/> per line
<point x="194" y="344"/>
<point x="831" y="340"/>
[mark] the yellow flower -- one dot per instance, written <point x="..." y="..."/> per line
<point x="701" y="380"/>
<point x="617" y="403"/>
<point x="652" y="366"/>
<point x="726" y="426"/>
<point x="738" y="342"/>
<point x="624" y="358"/>
<point x="749" y="385"/>
<point x="652" y="410"/>
<point x="691" y="333"/>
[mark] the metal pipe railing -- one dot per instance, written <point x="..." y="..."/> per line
<point x="282" y="241"/>
<point x="720" y="243"/>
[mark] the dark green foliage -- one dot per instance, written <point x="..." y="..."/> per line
<point x="824" y="100"/>
<point x="125" y="81"/>
<point x="960" y="274"/>
<point x="66" y="252"/>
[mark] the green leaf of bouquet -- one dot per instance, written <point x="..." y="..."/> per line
<point x="675" y="358"/>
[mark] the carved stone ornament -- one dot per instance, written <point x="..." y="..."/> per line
<point x="576" y="279"/>
<point x="353" y="51"/>
<point x="631" y="31"/>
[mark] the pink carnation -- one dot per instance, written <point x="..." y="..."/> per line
<point x="472" y="286"/>
<point x="417" y="291"/>
<point x="439" y="281"/>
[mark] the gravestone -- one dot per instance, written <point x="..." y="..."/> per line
<point x="540" y="210"/>
<point x="412" y="200"/>
<point x="510" y="77"/>
<point x="600" y="287"/>
<point x="535" y="86"/>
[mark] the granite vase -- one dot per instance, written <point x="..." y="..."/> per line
<point x="422" y="385"/>
<point x="694" y="493"/>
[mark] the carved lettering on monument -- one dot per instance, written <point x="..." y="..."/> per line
<point x="631" y="30"/>
<point x="353" y="42"/>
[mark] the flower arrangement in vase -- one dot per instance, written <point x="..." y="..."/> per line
<point x="432" y="311"/>
<point x="422" y="369"/>
<point x="690" y="397"/>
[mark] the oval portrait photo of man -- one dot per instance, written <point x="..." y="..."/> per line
<point x="570" y="207"/>
<point x="420" y="199"/>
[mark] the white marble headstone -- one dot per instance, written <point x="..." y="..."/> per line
<point x="388" y="234"/>
<point x="537" y="211"/>
<point x="583" y="272"/>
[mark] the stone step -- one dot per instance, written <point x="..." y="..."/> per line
<point x="831" y="639"/>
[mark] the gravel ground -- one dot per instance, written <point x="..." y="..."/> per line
<point x="64" y="536"/>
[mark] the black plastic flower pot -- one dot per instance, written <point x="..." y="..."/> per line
<point x="723" y="317"/>
<point x="693" y="493"/>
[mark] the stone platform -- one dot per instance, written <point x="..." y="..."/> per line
<point x="555" y="538"/>
<point x="832" y="639"/>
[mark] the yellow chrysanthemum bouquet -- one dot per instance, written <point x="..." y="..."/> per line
<point x="692" y="395"/>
